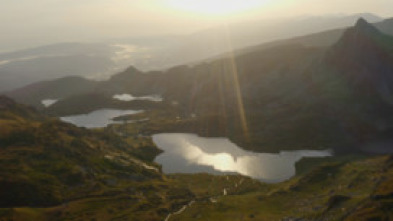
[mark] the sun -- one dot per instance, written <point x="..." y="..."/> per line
<point x="216" y="7"/>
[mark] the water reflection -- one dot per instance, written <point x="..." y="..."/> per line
<point x="188" y="153"/>
<point x="97" y="119"/>
<point x="48" y="102"/>
<point x="129" y="97"/>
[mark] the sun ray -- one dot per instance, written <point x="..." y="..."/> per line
<point x="216" y="7"/>
<point x="233" y="71"/>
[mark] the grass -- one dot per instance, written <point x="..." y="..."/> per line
<point x="335" y="190"/>
<point x="60" y="172"/>
<point x="302" y="196"/>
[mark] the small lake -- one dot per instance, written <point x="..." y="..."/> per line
<point x="129" y="97"/>
<point x="97" y="119"/>
<point x="48" y="102"/>
<point x="189" y="153"/>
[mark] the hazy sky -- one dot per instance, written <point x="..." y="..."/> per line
<point x="25" y="23"/>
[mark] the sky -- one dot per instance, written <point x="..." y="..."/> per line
<point x="28" y="23"/>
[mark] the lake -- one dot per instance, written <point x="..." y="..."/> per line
<point x="98" y="119"/>
<point x="129" y="97"/>
<point x="48" y="102"/>
<point x="189" y="153"/>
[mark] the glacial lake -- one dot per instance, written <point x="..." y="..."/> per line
<point x="48" y="102"/>
<point x="129" y="97"/>
<point x="189" y="153"/>
<point x="97" y="119"/>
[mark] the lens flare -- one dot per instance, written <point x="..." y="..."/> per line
<point x="215" y="7"/>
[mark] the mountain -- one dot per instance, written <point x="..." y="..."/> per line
<point x="100" y="60"/>
<point x="54" y="89"/>
<point x="230" y="37"/>
<point x="287" y="96"/>
<point x="325" y="38"/>
<point x="52" y="170"/>
<point x="365" y="56"/>
<point x="24" y="67"/>
<point x="329" y="192"/>
<point x="257" y="32"/>
<point x="46" y="162"/>
<point x="60" y="171"/>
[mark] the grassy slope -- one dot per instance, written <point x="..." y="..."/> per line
<point x="152" y="200"/>
<point x="333" y="191"/>
<point x="55" y="171"/>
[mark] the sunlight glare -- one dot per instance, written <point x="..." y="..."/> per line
<point x="216" y="7"/>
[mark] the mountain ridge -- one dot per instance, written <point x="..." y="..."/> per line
<point x="365" y="55"/>
<point x="23" y="67"/>
<point x="280" y="95"/>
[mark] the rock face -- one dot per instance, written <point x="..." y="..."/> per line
<point x="283" y="96"/>
<point x="364" y="55"/>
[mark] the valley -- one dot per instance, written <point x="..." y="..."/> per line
<point x="284" y="97"/>
<point x="283" y="132"/>
<point x="101" y="176"/>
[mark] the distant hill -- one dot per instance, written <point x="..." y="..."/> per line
<point x="46" y="162"/>
<point x="24" y="67"/>
<point x="100" y="60"/>
<point x="325" y="38"/>
<point x="231" y="37"/>
<point x="52" y="170"/>
<point x="286" y="96"/>
<point x="364" y="56"/>
<point x="55" y="89"/>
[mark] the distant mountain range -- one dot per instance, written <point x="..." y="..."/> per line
<point x="278" y="97"/>
<point x="100" y="60"/>
<point x="268" y="98"/>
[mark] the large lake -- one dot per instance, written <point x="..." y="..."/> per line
<point x="97" y="119"/>
<point x="189" y="153"/>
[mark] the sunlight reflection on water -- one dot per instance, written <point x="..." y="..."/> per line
<point x="188" y="153"/>
<point x="97" y="119"/>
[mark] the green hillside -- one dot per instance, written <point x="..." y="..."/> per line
<point x="55" y="171"/>
<point x="287" y="96"/>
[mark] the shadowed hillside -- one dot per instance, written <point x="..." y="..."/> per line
<point x="282" y="97"/>
<point x="55" y="171"/>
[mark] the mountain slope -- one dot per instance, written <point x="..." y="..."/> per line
<point x="99" y="60"/>
<point x="234" y="36"/>
<point x="357" y="190"/>
<point x="292" y="95"/>
<point x="55" y="171"/>
<point x="55" y="89"/>
<point x="45" y="162"/>
<point x="365" y="56"/>
<point x="283" y="97"/>
<point x="20" y="68"/>
<point x="323" y="39"/>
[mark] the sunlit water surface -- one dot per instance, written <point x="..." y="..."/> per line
<point x="48" y="102"/>
<point x="129" y="97"/>
<point x="188" y="153"/>
<point x="97" y="119"/>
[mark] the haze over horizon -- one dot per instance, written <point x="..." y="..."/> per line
<point x="30" y="24"/>
<point x="196" y="110"/>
